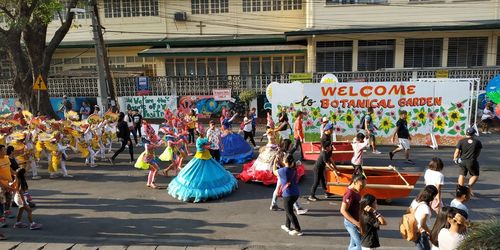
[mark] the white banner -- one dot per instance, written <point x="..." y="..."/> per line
<point x="222" y="94"/>
<point x="434" y="107"/>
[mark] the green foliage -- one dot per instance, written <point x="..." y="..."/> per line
<point x="482" y="236"/>
<point x="247" y="95"/>
<point x="46" y="9"/>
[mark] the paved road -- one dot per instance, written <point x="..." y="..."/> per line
<point x="109" y="207"/>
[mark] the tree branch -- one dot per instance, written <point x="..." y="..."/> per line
<point x="7" y="12"/>
<point x="60" y="33"/>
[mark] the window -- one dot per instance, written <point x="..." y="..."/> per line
<point x="268" y="5"/>
<point x="423" y="53"/>
<point x="498" y="51"/>
<point x="196" y="66"/>
<point x="375" y="54"/>
<point x="272" y="65"/>
<point x="276" y="4"/>
<point x="335" y="56"/>
<point x="209" y="6"/>
<point x="86" y="14"/>
<point x="467" y="51"/>
<point x="344" y="2"/>
<point x="128" y="8"/>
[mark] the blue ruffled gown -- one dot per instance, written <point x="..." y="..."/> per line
<point x="236" y="149"/>
<point x="203" y="178"/>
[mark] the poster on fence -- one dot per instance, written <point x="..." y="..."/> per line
<point x="151" y="107"/>
<point x="439" y="107"/>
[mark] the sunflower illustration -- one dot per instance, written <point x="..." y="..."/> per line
<point x="349" y="119"/>
<point x="334" y="117"/>
<point x="315" y="113"/>
<point x="386" y="124"/>
<point x="454" y="116"/>
<point x="421" y="116"/>
<point x="439" y="123"/>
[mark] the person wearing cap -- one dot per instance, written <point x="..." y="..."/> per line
<point x="466" y="153"/>
<point x="327" y="133"/>
<point x="298" y="134"/>
<point x="324" y="122"/>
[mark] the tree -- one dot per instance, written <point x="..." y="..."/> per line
<point x="246" y="96"/>
<point x="24" y="37"/>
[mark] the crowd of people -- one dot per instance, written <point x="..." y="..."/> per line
<point x="29" y="139"/>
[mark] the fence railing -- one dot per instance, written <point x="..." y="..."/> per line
<point x="203" y="85"/>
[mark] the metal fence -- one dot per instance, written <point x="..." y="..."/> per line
<point x="203" y="85"/>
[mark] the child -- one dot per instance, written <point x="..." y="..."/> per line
<point x="369" y="220"/>
<point x="358" y="146"/>
<point x="324" y="161"/>
<point x="404" y="137"/>
<point x="462" y="195"/>
<point x="433" y="176"/>
<point x="21" y="186"/>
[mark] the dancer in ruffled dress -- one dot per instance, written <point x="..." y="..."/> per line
<point x="235" y="148"/>
<point x="148" y="159"/>
<point x="261" y="169"/>
<point x="202" y="178"/>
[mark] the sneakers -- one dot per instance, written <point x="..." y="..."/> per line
<point x="410" y="162"/>
<point x="391" y="155"/>
<point x="285" y="228"/>
<point x="68" y="176"/>
<point x="312" y="198"/>
<point x="36" y="177"/>
<point x="274" y="208"/>
<point x="328" y="196"/>
<point x="301" y="211"/>
<point x="376" y="152"/>
<point x="35" y="226"/>
<point x="20" y="225"/>
<point x="93" y="165"/>
<point x="295" y="233"/>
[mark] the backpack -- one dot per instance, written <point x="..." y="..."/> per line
<point x="408" y="226"/>
<point x="362" y="123"/>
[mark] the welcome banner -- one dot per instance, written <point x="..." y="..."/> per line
<point x="438" y="107"/>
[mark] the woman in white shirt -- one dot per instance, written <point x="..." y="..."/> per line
<point x="487" y="118"/>
<point x="421" y="206"/>
<point x="450" y="239"/>
<point x="433" y="176"/>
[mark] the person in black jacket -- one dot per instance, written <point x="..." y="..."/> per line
<point x="124" y="135"/>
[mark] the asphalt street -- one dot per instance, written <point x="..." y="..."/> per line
<point x="110" y="207"/>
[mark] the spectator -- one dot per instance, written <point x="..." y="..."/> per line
<point x="253" y="115"/>
<point x="487" y="118"/>
<point x="369" y="128"/>
<point x="124" y="135"/>
<point x="358" y="146"/>
<point x="247" y="129"/>
<point x="433" y="176"/>
<point x="421" y="206"/>
<point x="370" y="220"/>
<point x="66" y="106"/>
<point x="291" y="192"/>
<point x="466" y="153"/>
<point x="350" y="210"/>
<point x="137" y="117"/>
<point x="298" y="134"/>
<point x="131" y="125"/>
<point x="462" y="195"/>
<point x="214" y="137"/>
<point x="97" y="111"/>
<point x="440" y="223"/>
<point x="404" y="137"/>
<point x="85" y="111"/>
<point x="450" y="239"/>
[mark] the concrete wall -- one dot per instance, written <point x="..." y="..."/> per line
<point x="400" y="13"/>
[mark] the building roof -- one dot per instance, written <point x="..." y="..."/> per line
<point x="224" y="50"/>
<point x="184" y="41"/>
<point x="466" y="25"/>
